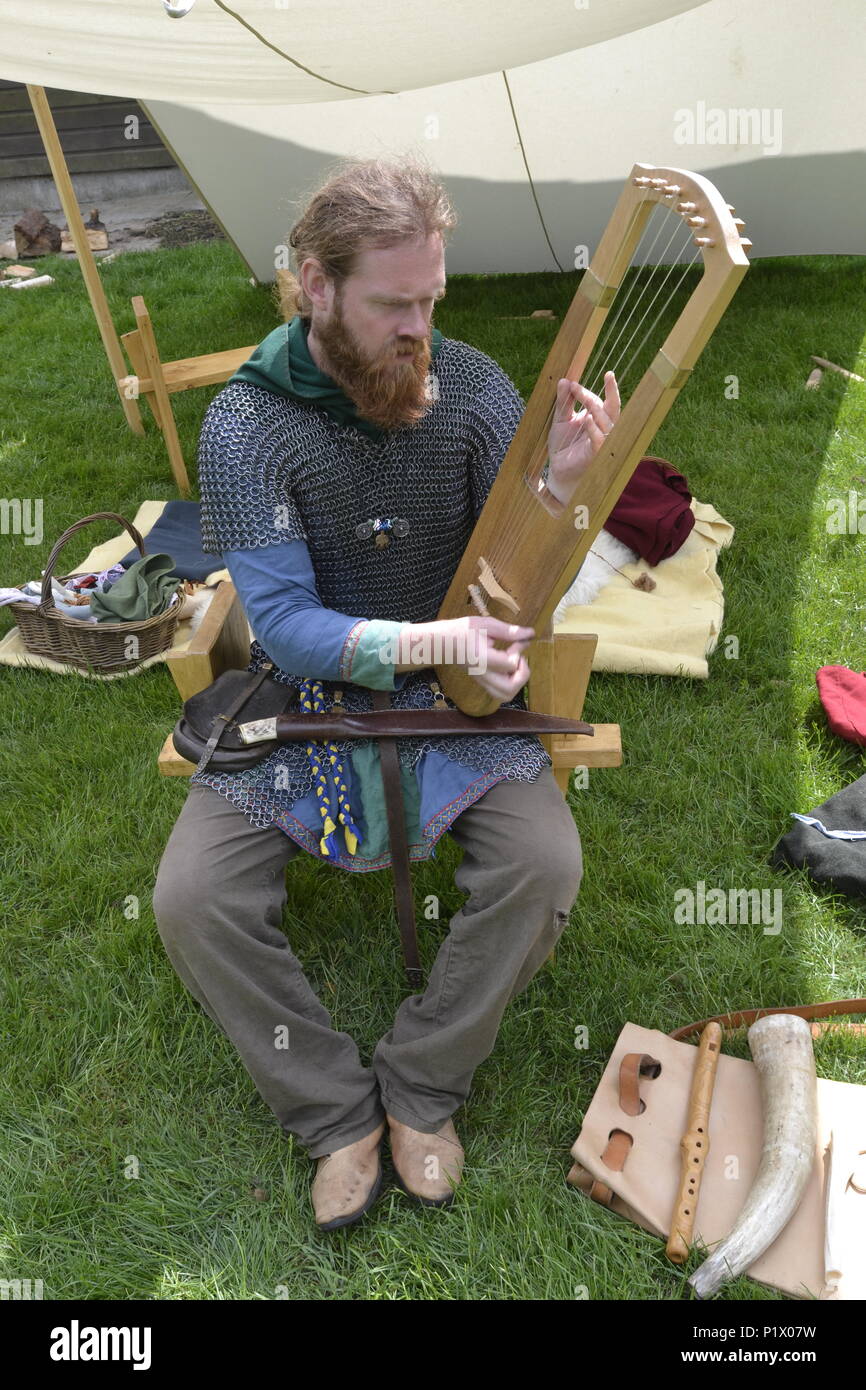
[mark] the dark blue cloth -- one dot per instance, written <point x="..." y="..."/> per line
<point x="178" y="533"/>
<point x="839" y="863"/>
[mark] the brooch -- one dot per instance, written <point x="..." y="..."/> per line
<point x="382" y="528"/>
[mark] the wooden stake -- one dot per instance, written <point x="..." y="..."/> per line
<point x="833" y="367"/>
<point x="93" y="284"/>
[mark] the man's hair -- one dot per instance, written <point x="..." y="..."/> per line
<point x="369" y="203"/>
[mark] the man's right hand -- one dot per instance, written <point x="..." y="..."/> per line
<point x="501" y="671"/>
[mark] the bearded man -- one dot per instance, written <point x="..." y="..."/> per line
<point x="341" y="472"/>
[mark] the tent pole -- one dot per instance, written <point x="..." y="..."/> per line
<point x="86" y="259"/>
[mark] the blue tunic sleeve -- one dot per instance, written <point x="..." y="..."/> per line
<point x="277" y="588"/>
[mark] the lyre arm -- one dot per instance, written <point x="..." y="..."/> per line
<point x="526" y="544"/>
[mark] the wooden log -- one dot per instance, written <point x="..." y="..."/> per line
<point x="96" y="232"/>
<point x="26" y="284"/>
<point x="35" y="235"/>
<point x="814" y="379"/>
<point x="98" y="239"/>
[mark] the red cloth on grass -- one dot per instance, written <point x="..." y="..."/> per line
<point x="653" y="515"/>
<point x="843" y="695"/>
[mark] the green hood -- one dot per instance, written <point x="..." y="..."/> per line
<point x="282" y="364"/>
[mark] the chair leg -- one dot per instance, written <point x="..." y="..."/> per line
<point x="560" y="667"/>
<point x="132" y="345"/>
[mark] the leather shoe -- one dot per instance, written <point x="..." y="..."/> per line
<point x="428" y="1167"/>
<point x="347" y="1182"/>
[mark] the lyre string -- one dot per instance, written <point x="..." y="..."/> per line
<point x="605" y="349"/>
<point x="612" y="322"/>
<point x="648" y="309"/>
<point x="616" y="324"/>
<point x="513" y="538"/>
<point x="639" y="347"/>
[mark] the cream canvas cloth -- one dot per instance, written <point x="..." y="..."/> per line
<point x="673" y="629"/>
<point x="14" y="653"/>
<point x="647" y="1187"/>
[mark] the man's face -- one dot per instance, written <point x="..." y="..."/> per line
<point x="373" y="336"/>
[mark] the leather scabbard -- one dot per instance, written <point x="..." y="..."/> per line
<point x="287" y="727"/>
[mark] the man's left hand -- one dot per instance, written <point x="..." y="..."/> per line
<point x="575" y="439"/>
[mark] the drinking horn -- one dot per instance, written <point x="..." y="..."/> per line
<point x="781" y="1046"/>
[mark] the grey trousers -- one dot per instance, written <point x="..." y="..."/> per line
<point x="218" y="902"/>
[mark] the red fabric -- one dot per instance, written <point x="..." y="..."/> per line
<point x="843" y="695"/>
<point x="653" y="515"/>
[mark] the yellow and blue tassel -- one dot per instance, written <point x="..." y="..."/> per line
<point x="326" y="757"/>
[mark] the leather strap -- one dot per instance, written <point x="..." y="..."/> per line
<point x="616" y="1152"/>
<point x="386" y="725"/>
<point x="633" y="1066"/>
<point x="394" y="804"/>
<point x="221" y="720"/>
<point x="748" y="1016"/>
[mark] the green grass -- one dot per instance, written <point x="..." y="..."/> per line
<point x="108" y="1061"/>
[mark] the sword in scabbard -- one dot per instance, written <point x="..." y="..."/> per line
<point x="321" y="728"/>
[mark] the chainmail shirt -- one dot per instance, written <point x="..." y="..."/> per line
<point x="273" y="469"/>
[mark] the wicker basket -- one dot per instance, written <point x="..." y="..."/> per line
<point x="92" y="646"/>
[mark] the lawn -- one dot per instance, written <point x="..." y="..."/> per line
<point x="138" y="1160"/>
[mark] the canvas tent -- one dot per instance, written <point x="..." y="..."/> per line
<point x="532" y="113"/>
<point x="290" y="52"/>
<point x="759" y="97"/>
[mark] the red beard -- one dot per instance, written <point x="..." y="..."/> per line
<point x="387" y="395"/>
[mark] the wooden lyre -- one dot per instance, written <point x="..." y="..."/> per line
<point x="527" y="546"/>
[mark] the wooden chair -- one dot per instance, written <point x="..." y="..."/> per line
<point x="560" y="664"/>
<point x="157" y="381"/>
